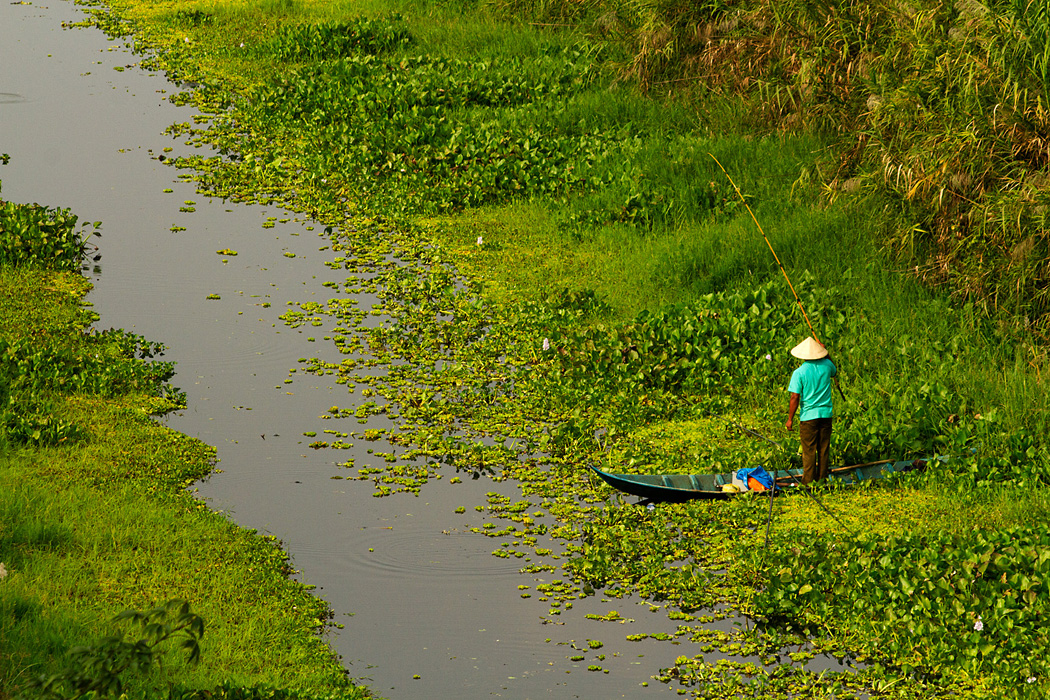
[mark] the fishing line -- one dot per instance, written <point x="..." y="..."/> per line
<point x="769" y="518"/>
<point x="753" y="433"/>
<point x="806" y="488"/>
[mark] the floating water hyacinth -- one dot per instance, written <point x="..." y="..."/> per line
<point x="480" y="242"/>
<point x="768" y="357"/>
<point x="979" y="625"/>
<point x="546" y="344"/>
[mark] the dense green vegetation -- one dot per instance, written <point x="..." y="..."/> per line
<point x="937" y="109"/>
<point x="579" y="282"/>
<point x="95" y="517"/>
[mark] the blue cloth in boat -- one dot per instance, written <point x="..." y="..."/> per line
<point x="759" y="474"/>
<point x="812" y="380"/>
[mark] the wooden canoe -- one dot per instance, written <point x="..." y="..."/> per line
<point x="677" y="488"/>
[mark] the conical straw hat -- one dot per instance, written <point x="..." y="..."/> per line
<point x="809" y="349"/>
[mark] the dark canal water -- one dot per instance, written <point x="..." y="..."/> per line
<point x="416" y="591"/>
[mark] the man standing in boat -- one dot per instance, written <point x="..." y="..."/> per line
<point x="810" y="387"/>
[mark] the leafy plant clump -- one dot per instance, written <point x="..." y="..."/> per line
<point x="394" y="126"/>
<point x="330" y="41"/>
<point x="99" y="669"/>
<point x="46" y="238"/>
<point x="972" y="603"/>
<point x="111" y="666"/>
<point x="34" y="374"/>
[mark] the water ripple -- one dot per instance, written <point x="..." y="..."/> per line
<point x="394" y="554"/>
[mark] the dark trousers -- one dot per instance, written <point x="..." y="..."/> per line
<point x="816" y="442"/>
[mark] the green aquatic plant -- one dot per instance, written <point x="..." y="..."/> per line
<point x="35" y="373"/>
<point x="968" y="603"/>
<point x="44" y="237"/>
<point x="329" y="41"/>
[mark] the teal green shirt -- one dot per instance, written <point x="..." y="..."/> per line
<point x="812" y="381"/>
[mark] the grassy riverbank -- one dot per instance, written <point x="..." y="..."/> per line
<point x="95" y="518"/>
<point x="581" y="281"/>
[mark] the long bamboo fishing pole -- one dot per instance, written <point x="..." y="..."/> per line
<point x="776" y="257"/>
